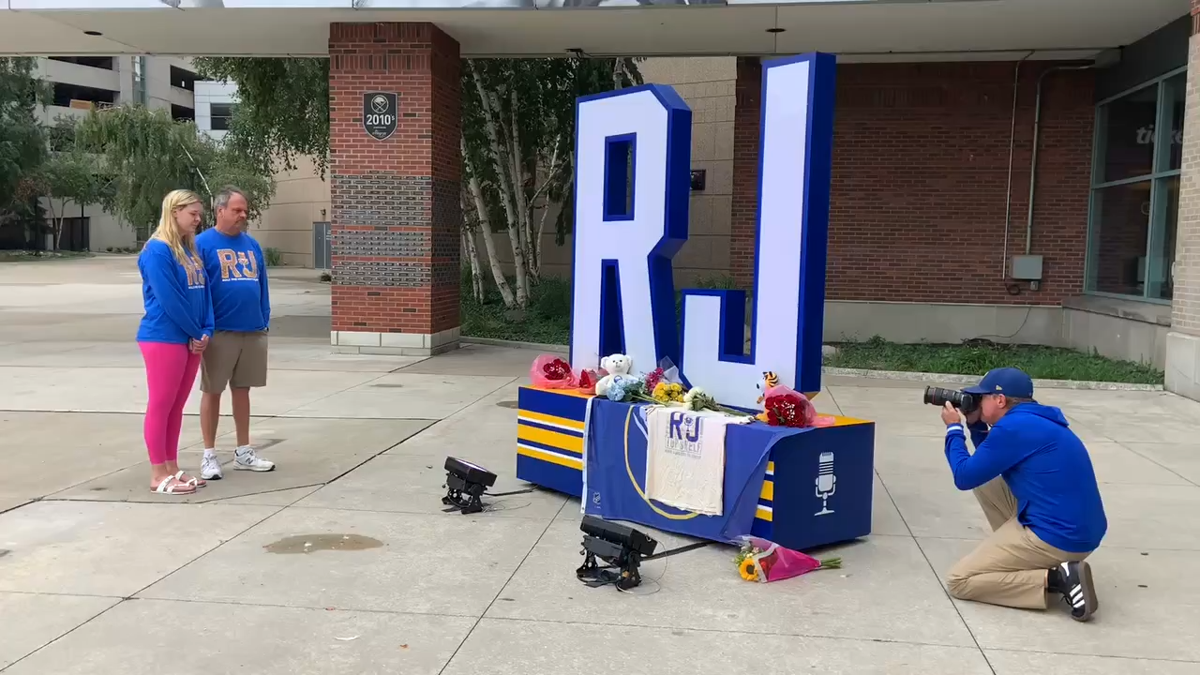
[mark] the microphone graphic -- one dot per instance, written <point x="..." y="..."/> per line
<point x="826" y="482"/>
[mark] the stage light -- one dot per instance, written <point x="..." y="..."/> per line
<point x="466" y="483"/>
<point x="620" y="547"/>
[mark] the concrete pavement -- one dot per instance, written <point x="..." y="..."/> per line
<point x="99" y="576"/>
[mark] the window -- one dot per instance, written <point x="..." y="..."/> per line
<point x="78" y="96"/>
<point x="1135" y="191"/>
<point x="105" y="62"/>
<point x="222" y="114"/>
<point x="182" y="114"/>
<point x="184" y="79"/>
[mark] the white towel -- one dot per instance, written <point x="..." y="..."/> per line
<point x="685" y="459"/>
<point x="587" y="428"/>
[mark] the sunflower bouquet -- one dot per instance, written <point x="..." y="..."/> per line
<point x="764" y="561"/>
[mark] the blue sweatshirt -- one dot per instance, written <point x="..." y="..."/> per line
<point x="237" y="271"/>
<point x="1045" y="465"/>
<point x="178" y="306"/>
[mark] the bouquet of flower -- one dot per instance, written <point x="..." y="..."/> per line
<point x="667" y="393"/>
<point x="785" y="407"/>
<point x="627" y="388"/>
<point x="765" y="561"/>
<point x="588" y="378"/>
<point x="551" y="372"/>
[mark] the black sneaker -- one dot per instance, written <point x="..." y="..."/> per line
<point x="1074" y="581"/>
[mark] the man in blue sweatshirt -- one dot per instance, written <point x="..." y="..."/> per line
<point x="237" y="355"/>
<point x="1035" y="481"/>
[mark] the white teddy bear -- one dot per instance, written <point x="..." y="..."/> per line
<point x="615" y="365"/>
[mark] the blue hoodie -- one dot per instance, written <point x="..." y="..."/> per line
<point x="1045" y="465"/>
<point x="178" y="306"/>
<point x="237" y="271"/>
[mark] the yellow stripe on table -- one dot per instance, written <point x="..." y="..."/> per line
<point x="553" y="439"/>
<point x="550" y="420"/>
<point x="768" y="491"/>
<point x="764" y="513"/>
<point x="546" y="456"/>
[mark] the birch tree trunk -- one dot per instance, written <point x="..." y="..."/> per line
<point x="485" y="224"/>
<point x="468" y="240"/>
<point x="491" y="115"/>
<point x="535" y="237"/>
<point x="520" y="183"/>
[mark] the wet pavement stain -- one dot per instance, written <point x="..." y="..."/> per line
<point x="511" y="405"/>
<point x="310" y="543"/>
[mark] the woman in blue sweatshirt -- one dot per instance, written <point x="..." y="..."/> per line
<point x="1034" y="479"/>
<point x="173" y="334"/>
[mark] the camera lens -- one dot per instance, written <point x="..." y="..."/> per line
<point x="938" y="396"/>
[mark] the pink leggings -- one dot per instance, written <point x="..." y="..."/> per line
<point x="170" y="374"/>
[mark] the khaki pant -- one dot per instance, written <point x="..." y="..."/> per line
<point x="237" y="360"/>
<point x="1009" y="568"/>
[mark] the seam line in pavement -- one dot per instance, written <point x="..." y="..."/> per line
<point x="734" y="631"/>
<point x="936" y="577"/>
<point x="503" y="586"/>
<point x="1151" y="659"/>
<point x="65" y="634"/>
<point x="133" y="595"/>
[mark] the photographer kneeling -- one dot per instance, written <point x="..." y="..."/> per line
<point x="1035" y="481"/>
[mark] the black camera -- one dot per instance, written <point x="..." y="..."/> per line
<point x="967" y="403"/>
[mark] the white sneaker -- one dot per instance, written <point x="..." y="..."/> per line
<point x="245" y="459"/>
<point x="210" y="468"/>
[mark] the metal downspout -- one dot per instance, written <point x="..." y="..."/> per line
<point x="1012" y="144"/>
<point x="1037" y="120"/>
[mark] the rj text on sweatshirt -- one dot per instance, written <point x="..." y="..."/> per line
<point x="237" y="274"/>
<point x="176" y="297"/>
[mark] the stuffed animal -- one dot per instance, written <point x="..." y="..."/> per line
<point x="614" y="365"/>
<point x="770" y="379"/>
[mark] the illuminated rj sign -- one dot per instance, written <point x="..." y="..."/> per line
<point x="633" y="150"/>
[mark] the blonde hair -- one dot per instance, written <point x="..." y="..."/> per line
<point x="183" y="246"/>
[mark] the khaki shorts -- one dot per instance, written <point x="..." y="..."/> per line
<point x="237" y="360"/>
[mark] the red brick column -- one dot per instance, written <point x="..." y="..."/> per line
<point x="396" y="210"/>
<point x="746" y="114"/>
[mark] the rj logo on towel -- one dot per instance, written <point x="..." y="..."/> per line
<point x="683" y="435"/>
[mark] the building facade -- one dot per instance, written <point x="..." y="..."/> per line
<point x="82" y="83"/>
<point x="933" y="163"/>
<point x="1002" y="170"/>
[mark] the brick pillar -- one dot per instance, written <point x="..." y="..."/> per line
<point x="746" y="114"/>
<point x="396" y="210"/>
<point x="1183" y="341"/>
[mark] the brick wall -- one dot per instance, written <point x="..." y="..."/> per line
<point x="1185" y="305"/>
<point x="395" y="203"/>
<point x="919" y="177"/>
<point x="746" y="113"/>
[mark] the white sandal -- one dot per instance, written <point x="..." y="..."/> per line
<point x="166" y="487"/>
<point x="193" y="481"/>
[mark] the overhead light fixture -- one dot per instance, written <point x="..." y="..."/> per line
<point x="93" y="33"/>
<point x="776" y="30"/>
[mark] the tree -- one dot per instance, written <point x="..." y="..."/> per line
<point x="282" y="111"/>
<point x="22" y="138"/>
<point x="517" y="144"/>
<point x="146" y="154"/>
